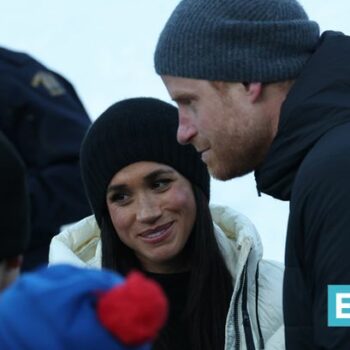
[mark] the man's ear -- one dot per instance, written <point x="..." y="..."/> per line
<point x="254" y="91"/>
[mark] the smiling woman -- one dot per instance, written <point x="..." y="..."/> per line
<point x="152" y="207"/>
<point x="150" y="200"/>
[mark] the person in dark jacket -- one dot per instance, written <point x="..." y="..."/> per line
<point x="14" y="212"/>
<point x="259" y="89"/>
<point x="43" y="117"/>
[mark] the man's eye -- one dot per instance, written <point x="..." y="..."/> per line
<point x="183" y="101"/>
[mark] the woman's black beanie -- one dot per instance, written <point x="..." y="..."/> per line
<point x="133" y="130"/>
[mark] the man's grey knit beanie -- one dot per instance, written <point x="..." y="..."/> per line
<point x="236" y="40"/>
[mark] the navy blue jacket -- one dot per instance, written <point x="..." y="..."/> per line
<point x="309" y="165"/>
<point x="42" y="116"/>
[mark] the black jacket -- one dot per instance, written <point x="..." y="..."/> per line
<point x="41" y="114"/>
<point x="309" y="164"/>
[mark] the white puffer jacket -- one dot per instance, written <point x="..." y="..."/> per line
<point x="255" y="314"/>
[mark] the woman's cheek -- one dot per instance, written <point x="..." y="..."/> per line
<point x="182" y="197"/>
<point x="119" y="219"/>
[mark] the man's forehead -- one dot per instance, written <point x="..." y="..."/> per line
<point x="183" y="86"/>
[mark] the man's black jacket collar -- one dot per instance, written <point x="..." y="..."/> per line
<point x="318" y="101"/>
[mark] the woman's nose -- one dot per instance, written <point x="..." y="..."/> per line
<point x="148" y="210"/>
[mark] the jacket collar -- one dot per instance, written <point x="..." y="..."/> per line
<point x="317" y="102"/>
<point x="238" y="240"/>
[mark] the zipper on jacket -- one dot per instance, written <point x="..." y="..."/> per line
<point x="245" y="316"/>
<point x="261" y="338"/>
<point x="243" y="285"/>
<point x="235" y="310"/>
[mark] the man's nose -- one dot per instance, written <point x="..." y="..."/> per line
<point x="186" y="130"/>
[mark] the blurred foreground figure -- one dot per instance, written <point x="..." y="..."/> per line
<point x="41" y="114"/>
<point x="14" y="212"/>
<point x="68" y="308"/>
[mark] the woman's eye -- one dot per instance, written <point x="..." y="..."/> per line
<point x="119" y="198"/>
<point x="161" y="184"/>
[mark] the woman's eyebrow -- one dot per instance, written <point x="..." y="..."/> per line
<point x="149" y="177"/>
<point x="154" y="174"/>
<point x="116" y="188"/>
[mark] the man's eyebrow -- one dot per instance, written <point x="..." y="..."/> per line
<point x="183" y="96"/>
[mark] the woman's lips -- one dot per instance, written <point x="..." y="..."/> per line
<point x="157" y="234"/>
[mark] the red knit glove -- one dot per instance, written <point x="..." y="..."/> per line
<point x="134" y="311"/>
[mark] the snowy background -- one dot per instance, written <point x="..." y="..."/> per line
<point x="105" y="48"/>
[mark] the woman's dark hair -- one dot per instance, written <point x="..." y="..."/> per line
<point x="210" y="285"/>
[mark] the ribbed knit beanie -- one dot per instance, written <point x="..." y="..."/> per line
<point x="236" y="40"/>
<point x="14" y="202"/>
<point x="130" y="131"/>
<point x="70" y="308"/>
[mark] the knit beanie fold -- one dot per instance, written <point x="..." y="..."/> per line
<point x="236" y="40"/>
<point x="130" y="131"/>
